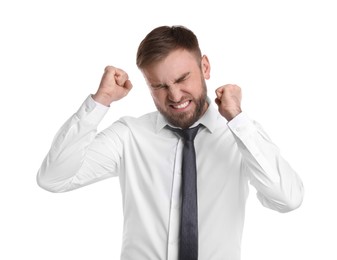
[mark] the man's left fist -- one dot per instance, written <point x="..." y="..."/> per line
<point x="229" y="100"/>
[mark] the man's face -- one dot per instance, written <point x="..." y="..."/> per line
<point x="178" y="88"/>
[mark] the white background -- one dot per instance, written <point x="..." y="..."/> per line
<point x="52" y="54"/>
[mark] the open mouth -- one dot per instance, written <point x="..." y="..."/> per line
<point x="181" y="106"/>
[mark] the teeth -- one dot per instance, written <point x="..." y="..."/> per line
<point x="183" y="105"/>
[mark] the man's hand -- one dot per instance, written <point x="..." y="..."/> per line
<point x="115" y="85"/>
<point x="229" y="101"/>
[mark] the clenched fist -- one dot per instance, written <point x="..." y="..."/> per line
<point x="115" y="84"/>
<point x="229" y="100"/>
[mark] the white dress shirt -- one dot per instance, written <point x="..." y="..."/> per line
<point x="147" y="158"/>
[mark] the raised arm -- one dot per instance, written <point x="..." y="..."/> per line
<point x="278" y="186"/>
<point x="78" y="155"/>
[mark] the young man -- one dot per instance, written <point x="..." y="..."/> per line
<point x="171" y="212"/>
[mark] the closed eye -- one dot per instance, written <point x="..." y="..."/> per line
<point x="182" y="78"/>
<point x="158" y="86"/>
<point x="177" y="81"/>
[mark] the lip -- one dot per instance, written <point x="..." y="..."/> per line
<point x="181" y="106"/>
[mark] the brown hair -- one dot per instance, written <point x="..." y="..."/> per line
<point x="163" y="40"/>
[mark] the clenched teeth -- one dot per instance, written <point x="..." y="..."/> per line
<point x="183" y="105"/>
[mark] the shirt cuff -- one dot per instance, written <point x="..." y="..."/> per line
<point x="241" y="120"/>
<point x="242" y="126"/>
<point x="91" y="111"/>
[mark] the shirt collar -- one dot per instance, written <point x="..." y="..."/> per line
<point x="208" y="120"/>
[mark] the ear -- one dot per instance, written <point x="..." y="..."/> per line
<point x="205" y="67"/>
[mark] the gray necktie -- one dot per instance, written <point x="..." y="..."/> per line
<point x="188" y="248"/>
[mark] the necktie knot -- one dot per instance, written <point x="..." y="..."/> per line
<point x="188" y="134"/>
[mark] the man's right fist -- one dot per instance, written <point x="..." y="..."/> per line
<point x="115" y="84"/>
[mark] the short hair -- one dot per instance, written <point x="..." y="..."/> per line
<point x="161" y="41"/>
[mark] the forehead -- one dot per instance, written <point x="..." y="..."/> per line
<point x="178" y="62"/>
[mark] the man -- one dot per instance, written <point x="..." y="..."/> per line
<point x="148" y="154"/>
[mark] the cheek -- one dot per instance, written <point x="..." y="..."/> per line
<point x="158" y="96"/>
<point x="194" y="89"/>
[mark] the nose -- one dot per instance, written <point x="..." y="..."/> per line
<point x="174" y="93"/>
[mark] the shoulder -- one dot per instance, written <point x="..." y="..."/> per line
<point x="147" y="120"/>
<point x="130" y="124"/>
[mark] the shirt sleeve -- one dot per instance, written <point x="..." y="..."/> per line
<point x="278" y="186"/>
<point x="78" y="155"/>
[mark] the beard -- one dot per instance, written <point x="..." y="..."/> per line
<point x="186" y="119"/>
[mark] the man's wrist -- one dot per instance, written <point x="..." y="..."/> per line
<point x="101" y="99"/>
